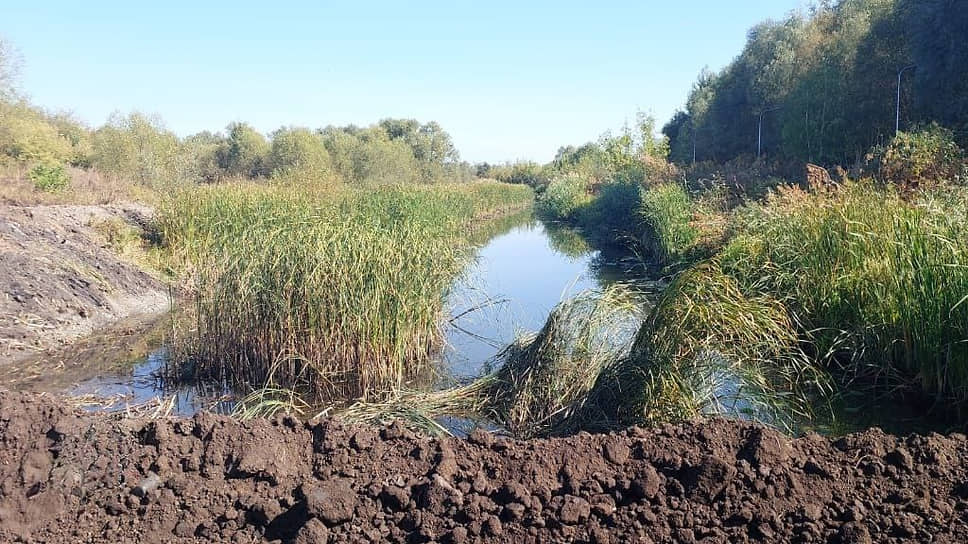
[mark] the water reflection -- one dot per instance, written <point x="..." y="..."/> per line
<point x="144" y="383"/>
<point x="515" y="281"/>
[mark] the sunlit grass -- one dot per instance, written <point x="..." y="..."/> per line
<point x="338" y="295"/>
<point x="876" y="282"/>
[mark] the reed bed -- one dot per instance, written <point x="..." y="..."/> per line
<point x="334" y="295"/>
<point x="877" y="281"/>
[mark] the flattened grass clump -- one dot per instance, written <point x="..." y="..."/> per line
<point x="337" y="296"/>
<point x="709" y="348"/>
<point x="545" y="377"/>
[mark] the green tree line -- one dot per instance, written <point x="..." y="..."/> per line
<point x="824" y="84"/>
<point x="140" y="148"/>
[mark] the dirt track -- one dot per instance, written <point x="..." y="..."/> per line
<point x="66" y="477"/>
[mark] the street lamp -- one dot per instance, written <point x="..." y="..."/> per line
<point x="897" y="118"/>
<point x="759" y="131"/>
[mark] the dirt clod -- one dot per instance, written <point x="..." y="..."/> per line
<point x="331" y="501"/>
<point x="292" y="482"/>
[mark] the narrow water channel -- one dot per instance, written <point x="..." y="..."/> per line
<point x="515" y="281"/>
<point x="521" y="270"/>
<point x="519" y="273"/>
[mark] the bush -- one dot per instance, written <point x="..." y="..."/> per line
<point x="928" y="154"/>
<point x="564" y="197"/>
<point x="613" y="211"/>
<point x="26" y="136"/>
<point x="77" y="134"/>
<point x="667" y="213"/>
<point x="526" y="173"/>
<point x="244" y="152"/>
<point x="137" y="147"/>
<point x="49" y="177"/>
<point x="298" y="155"/>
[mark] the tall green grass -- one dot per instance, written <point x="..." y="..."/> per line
<point x="337" y="295"/>
<point x="666" y="214"/>
<point x="878" y="283"/>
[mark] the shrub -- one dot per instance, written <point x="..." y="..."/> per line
<point x="137" y="147"/>
<point x="928" y="154"/>
<point x="49" y="177"/>
<point x="26" y="136"/>
<point x="667" y="213"/>
<point x="297" y="154"/>
<point x="613" y="211"/>
<point x="198" y="157"/>
<point x="244" y="152"/>
<point x="526" y="173"/>
<point x="564" y="197"/>
<point x="77" y="135"/>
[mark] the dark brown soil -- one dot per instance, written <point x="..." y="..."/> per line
<point x="67" y="477"/>
<point x="60" y="279"/>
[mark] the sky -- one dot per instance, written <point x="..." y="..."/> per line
<point x="508" y="80"/>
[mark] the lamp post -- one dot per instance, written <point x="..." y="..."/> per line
<point x="897" y="117"/>
<point x="759" y="131"/>
<point x="695" y="138"/>
<point x="694" y="131"/>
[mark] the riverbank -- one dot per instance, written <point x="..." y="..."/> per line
<point x="64" y="275"/>
<point x="69" y="476"/>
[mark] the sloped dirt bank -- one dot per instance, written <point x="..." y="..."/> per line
<point x="61" y="280"/>
<point x="69" y="477"/>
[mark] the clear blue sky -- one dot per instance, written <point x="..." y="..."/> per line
<point x="507" y="79"/>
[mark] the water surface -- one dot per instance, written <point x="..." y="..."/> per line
<point x="514" y="282"/>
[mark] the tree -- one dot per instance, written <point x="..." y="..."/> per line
<point x="298" y="153"/>
<point x="651" y="146"/>
<point x="139" y="147"/>
<point x="940" y="50"/>
<point x="833" y="75"/>
<point x="431" y="145"/>
<point x="244" y="153"/>
<point x="199" y="156"/>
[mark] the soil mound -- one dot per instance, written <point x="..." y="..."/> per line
<point x="61" y="280"/>
<point x="70" y="477"/>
